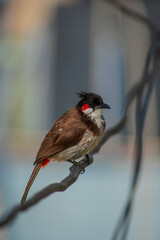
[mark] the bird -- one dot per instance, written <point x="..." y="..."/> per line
<point x="72" y="136"/>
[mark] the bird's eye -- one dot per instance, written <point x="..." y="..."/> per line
<point x="97" y="102"/>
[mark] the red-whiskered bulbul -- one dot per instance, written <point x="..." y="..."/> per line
<point x="73" y="135"/>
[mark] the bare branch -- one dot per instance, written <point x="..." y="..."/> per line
<point x="141" y="110"/>
<point x="52" y="188"/>
<point x="76" y="170"/>
<point x="131" y="13"/>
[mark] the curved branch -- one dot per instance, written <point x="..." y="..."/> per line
<point x="142" y="104"/>
<point x="133" y="92"/>
<point x="120" y="125"/>
<point x="75" y="171"/>
<point x="131" y="13"/>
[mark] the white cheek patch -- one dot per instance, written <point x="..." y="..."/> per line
<point x="88" y="111"/>
<point x="93" y="113"/>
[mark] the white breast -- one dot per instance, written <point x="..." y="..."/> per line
<point x="96" y="116"/>
<point x="87" y="143"/>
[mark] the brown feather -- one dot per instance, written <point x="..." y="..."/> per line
<point x="67" y="131"/>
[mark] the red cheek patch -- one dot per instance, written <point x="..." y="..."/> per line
<point x="84" y="107"/>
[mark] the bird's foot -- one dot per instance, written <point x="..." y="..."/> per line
<point x="77" y="164"/>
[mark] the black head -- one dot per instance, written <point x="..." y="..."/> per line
<point x="91" y="100"/>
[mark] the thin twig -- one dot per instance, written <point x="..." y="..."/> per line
<point x="75" y="170"/>
<point x="141" y="110"/>
<point x="131" y="13"/>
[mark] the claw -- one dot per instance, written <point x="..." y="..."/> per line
<point x="77" y="164"/>
<point x="83" y="170"/>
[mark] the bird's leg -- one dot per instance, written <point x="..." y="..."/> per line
<point x="88" y="158"/>
<point x="74" y="162"/>
<point x="77" y="164"/>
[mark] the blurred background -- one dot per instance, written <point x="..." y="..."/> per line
<point x="49" y="51"/>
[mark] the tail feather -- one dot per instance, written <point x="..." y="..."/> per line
<point x="30" y="182"/>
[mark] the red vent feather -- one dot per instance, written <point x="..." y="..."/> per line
<point x="45" y="162"/>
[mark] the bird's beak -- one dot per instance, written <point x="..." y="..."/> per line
<point x="104" y="105"/>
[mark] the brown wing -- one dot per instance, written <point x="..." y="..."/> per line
<point x="67" y="131"/>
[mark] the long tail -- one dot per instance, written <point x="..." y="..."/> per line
<point x="31" y="180"/>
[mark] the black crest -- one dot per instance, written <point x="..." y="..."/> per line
<point x="90" y="98"/>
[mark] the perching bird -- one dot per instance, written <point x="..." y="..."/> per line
<point x="73" y="135"/>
